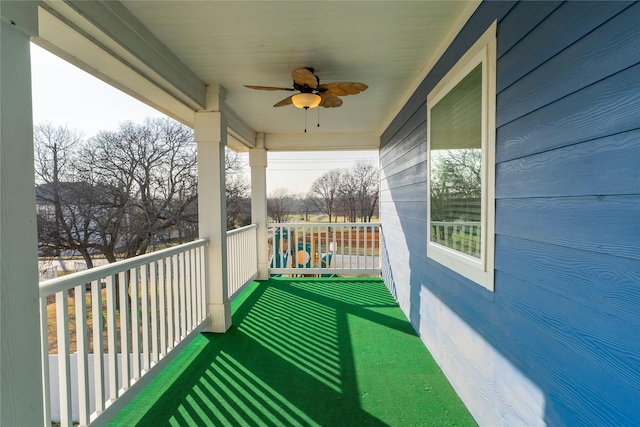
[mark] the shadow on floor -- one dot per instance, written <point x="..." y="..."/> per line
<point x="304" y="352"/>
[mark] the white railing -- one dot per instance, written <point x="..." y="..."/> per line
<point x="461" y="236"/>
<point x="148" y="307"/>
<point x="242" y="258"/>
<point x="324" y="248"/>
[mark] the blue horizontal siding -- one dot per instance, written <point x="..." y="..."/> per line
<point x="605" y="283"/>
<point x="411" y="175"/>
<point x="613" y="46"/>
<point x="570" y="22"/>
<point x="408" y="193"/>
<point x="618" y="352"/>
<point x="602" y="224"/>
<point x="563" y="324"/>
<point x="604" y="166"/>
<point x="605" y="108"/>
<point x="565" y="358"/>
<point x="513" y="28"/>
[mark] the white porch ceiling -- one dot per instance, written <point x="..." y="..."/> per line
<point x="164" y="52"/>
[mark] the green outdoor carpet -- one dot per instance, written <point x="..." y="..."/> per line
<point x="304" y="352"/>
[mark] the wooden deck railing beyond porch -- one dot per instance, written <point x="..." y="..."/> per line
<point x="324" y="249"/>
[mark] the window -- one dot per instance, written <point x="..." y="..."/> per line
<point x="461" y="164"/>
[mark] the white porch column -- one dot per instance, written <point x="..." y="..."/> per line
<point x="210" y="133"/>
<point x="20" y="354"/>
<point x="258" y="163"/>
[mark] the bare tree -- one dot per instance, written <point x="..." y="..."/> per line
<point x="359" y="191"/>
<point x="367" y="185"/>
<point x="279" y="204"/>
<point x="65" y="212"/>
<point x="123" y="192"/>
<point x="456" y="178"/>
<point x="237" y="190"/>
<point x="150" y="173"/>
<point x="308" y="205"/>
<point x="325" y="191"/>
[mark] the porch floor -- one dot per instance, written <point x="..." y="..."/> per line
<point x="321" y="352"/>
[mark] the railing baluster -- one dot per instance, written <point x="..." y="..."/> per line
<point x="186" y="292"/>
<point x="327" y="248"/>
<point x="64" y="374"/>
<point x="241" y="271"/>
<point x="144" y="299"/>
<point x="82" y="349"/>
<point x="98" y="344"/>
<point x="176" y="298"/>
<point x="358" y="246"/>
<point x="369" y="234"/>
<point x="332" y="251"/>
<point x="373" y="246"/>
<point x="203" y="299"/>
<point x="282" y="252"/>
<point x="446" y="237"/>
<point x="308" y="247"/>
<point x="153" y="285"/>
<point x="195" y="265"/>
<point x="342" y="247"/>
<point x="230" y="270"/>
<point x="235" y="253"/>
<point x="196" y="286"/>
<point x="190" y="292"/>
<point x="184" y="298"/>
<point x="350" y="247"/>
<point x="162" y="307"/>
<point x="365" y="240"/>
<point x="112" y="338"/>
<point x="44" y="342"/>
<point x="194" y="294"/>
<point x="170" y="322"/>
<point x="134" y="282"/>
<point x="123" y="284"/>
<point x="376" y="243"/>
<point x="237" y="272"/>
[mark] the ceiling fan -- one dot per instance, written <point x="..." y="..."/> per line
<point x="312" y="93"/>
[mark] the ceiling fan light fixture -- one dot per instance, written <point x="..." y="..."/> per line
<point x="306" y="100"/>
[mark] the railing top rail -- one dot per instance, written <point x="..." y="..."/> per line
<point x="322" y="224"/>
<point x="241" y="229"/>
<point x="63" y="283"/>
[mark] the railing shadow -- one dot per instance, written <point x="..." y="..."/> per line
<point x="289" y="359"/>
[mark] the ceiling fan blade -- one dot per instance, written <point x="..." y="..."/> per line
<point x="304" y="77"/>
<point x="330" y="101"/>
<point x="343" y="88"/>
<point x="286" y="101"/>
<point x="269" y="88"/>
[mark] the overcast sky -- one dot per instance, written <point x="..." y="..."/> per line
<point x="66" y="95"/>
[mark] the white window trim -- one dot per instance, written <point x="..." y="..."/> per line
<point x="480" y="270"/>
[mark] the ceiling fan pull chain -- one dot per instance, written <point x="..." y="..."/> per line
<point x="306" y="110"/>
<point x="318" y="117"/>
